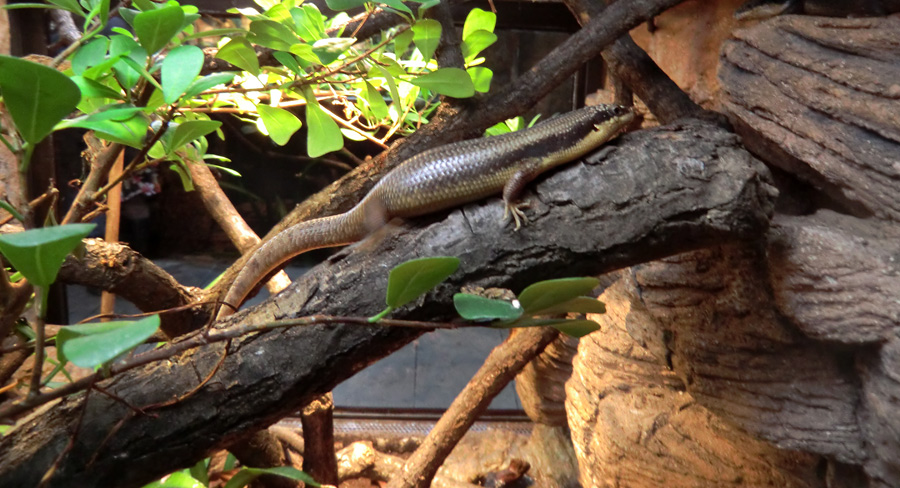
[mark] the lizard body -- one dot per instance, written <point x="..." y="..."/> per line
<point x="438" y="179"/>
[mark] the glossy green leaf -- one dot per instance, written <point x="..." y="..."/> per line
<point x="225" y="31"/>
<point x="577" y="328"/>
<point x="272" y="34"/>
<point x="481" y="78"/>
<point x="397" y="5"/>
<point x="179" y="479"/>
<point x="476" y="42"/>
<point x="190" y="130"/>
<point x="309" y="22"/>
<point x="427" y="36"/>
<point x="344" y="4"/>
<point x="145" y="5"/>
<point x="392" y="85"/>
<point x="126" y="47"/>
<point x="139" y="68"/>
<point x="179" y="167"/>
<point x="402" y="42"/>
<point x="155" y="28"/>
<point x="70" y="5"/>
<point x="376" y="102"/>
<point x="322" y="133"/>
<point x="200" y="472"/>
<point x="181" y="66"/>
<point x="91" y="345"/>
<point x="240" y="53"/>
<point x="247" y="475"/>
<point x="94" y="89"/>
<point x="352" y="135"/>
<point x="411" y="279"/>
<point x="37" y="97"/>
<point x="39" y="253"/>
<point x="452" y="82"/>
<point x="545" y="294"/>
<point x="289" y="62"/>
<point x="208" y="82"/>
<point x="90" y="54"/>
<point x="280" y="123"/>
<point x="331" y="48"/>
<point x="479" y="19"/>
<point x="474" y="307"/>
<point x="104" y="11"/>
<point x="123" y="128"/>
<point x="576" y="305"/>
<point x="305" y="53"/>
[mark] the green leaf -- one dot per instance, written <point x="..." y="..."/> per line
<point x="91" y="345"/>
<point x="376" y="102"/>
<point x="309" y="22"/>
<point x="207" y="82"/>
<point x="12" y="210"/>
<point x="411" y="279"/>
<point x="344" y="4"/>
<point x="179" y="69"/>
<point x="190" y="130"/>
<point x="70" y="5"/>
<point x="39" y="253"/>
<point x="155" y="28"/>
<point x="94" y="89"/>
<point x="397" y="5"/>
<point x="427" y="36"/>
<point x="200" y="472"/>
<point x="331" y="48"/>
<point x="271" y="34"/>
<point x="402" y="42"/>
<point x="476" y="42"/>
<point x="352" y="135"/>
<point x="225" y="31"/>
<point x="240" y="53"/>
<point x="545" y="294"/>
<point x="452" y="82"/>
<point x="37" y="97"/>
<point x="178" y="479"/>
<point x="576" y="305"/>
<point x="479" y="20"/>
<point x="143" y="72"/>
<point x="179" y="167"/>
<point x="280" y="123"/>
<point x="577" y="328"/>
<point x="474" y="307"/>
<point x="481" y="78"/>
<point x="123" y="124"/>
<point x="322" y="133"/>
<point x="122" y="46"/>
<point x="246" y="475"/>
<point x="392" y="86"/>
<point x="289" y="61"/>
<point x="305" y="53"/>
<point x="90" y="54"/>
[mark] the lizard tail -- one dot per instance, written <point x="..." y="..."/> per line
<point x="336" y="230"/>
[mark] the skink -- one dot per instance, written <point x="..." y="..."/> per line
<point x="438" y="179"/>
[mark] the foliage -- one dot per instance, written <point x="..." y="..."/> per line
<point x="409" y="280"/>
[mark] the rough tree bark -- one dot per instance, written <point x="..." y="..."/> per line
<point x="649" y="195"/>
<point x="792" y="338"/>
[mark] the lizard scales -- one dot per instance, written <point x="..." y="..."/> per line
<point x="441" y="178"/>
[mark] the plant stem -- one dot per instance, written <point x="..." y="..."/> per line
<point x="42" y="292"/>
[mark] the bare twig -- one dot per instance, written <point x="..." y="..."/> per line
<point x="500" y="367"/>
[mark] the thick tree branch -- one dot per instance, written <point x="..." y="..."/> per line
<point x="562" y="62"/>
<point x="653" y="194"/>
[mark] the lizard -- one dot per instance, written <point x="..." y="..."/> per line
<point x="438" y="179"/>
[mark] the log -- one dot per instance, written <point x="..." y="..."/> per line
<point x="648" y="195"/>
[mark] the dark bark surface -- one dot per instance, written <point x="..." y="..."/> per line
<point x="649" y="195"/>
<point x="819" y="98"/>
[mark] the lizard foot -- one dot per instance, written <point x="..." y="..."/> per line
<point x="515" y="209"/>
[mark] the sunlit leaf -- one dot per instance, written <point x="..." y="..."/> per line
<point x="546" y="294"/>
<point x="322" y="133"/>
<point x="246" y="475"/>
<point x="476" y="42"/>
<point x="331" y="48"/>
<point x="280" y="123"/>
<point x="37" y="97"/>
<point x="181" y="66"/>
<point x="344" y="4"/>
<point x="70" y="5"/>
<point x="452" y="82"/>
<point x="289" y="61"/>
<point x="122" y="124"/>
<point x="91" y="345"/>
<point x="474" y="307"/>
<point x="479" y="19"/>
<point x="155" y="28"/>
<point x="305" y="53"/>
<point x="272" y="34"/>
<point x="481" y="78"/>
<point x="90" y="54"/>
<point x="208" y="82"/>
<point x="39" y="253"/>
<point x="94" y="89"/>
<point x="309" y="22"/>
<point x="427" y="36"/>
<point x="126" y="47"/>
<point x="402" y="42"/>
<point x="375" y="101"/>
<point x="240" y="53"/>
<point x="397" y="5"/>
